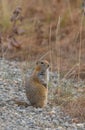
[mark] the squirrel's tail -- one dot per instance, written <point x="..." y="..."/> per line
<point x="21" y="103"/>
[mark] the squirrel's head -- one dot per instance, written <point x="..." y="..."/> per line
<point x="42" y="66"/>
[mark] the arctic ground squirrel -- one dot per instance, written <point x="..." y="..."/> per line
<point x="36" y="86"/>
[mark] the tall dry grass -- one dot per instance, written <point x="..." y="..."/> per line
<point x="75" y="107"/>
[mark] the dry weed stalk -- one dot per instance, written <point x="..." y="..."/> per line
<point x="16" y="17"/>
<point x="58" y="49"/>
<point x="80" y="46"/>
<point x="50" y="48"/>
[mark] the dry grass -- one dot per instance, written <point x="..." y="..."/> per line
<point x="71" y="104"/>
<point x="76" y="108"/>
<point x="62" y="95"/>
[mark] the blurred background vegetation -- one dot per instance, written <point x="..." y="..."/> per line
<point x="53" y="28"/>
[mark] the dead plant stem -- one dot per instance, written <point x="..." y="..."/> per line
<point x="58" y="49"/>
<point x="50" y="48"/>
<point x="80" y="47"/>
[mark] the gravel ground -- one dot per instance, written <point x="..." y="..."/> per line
<point x="13" y="117"/>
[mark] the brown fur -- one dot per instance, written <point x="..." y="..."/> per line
<point x="36" y="88"/>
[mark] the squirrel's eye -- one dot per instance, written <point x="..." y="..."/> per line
<point x="42" y="63"/>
